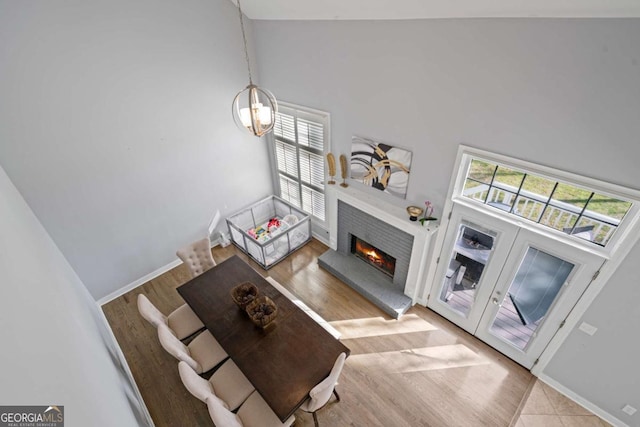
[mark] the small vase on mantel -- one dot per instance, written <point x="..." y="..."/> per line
<point x="428" y="210"/>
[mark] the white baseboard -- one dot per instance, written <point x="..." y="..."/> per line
<point x="582" y="401"/>
<point x="119" y="292"/>
<point x="115" y="294"/>
<point x="320" y="238"/>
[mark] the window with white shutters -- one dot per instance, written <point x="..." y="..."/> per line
<point x="300" y="139"/>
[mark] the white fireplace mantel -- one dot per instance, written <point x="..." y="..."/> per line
<point x="395" y="215"/>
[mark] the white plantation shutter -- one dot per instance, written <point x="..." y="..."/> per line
<point x="310" y="134"/>
<point x="312" y="169"/>
<point x="289" y="191"/>
<point x="287" y="158"/>
<point x="313" y="201"/>
<point x="284" y="128"/>
<point x="299" y="147"/>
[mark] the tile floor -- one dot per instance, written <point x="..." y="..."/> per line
<point x="546" y="407"/>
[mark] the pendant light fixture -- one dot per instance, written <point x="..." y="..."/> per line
<point x="254" y="109"/>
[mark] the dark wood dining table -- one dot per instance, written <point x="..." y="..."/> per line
<point x="283" y="361"/>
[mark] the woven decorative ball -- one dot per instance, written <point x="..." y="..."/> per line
<point x="244" y="294"/>
<point x="262" y="311"/>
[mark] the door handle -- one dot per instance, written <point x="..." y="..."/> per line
<point x="496" y="301"/>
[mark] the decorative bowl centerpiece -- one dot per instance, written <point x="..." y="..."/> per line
<point x="262" y="311"/>
<point x="414" y="212"/>
<point x="244" y="294"/>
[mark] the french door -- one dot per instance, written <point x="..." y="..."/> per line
<point x="509" y="286"/>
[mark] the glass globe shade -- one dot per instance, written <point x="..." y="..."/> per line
<point x="254" y="110"/>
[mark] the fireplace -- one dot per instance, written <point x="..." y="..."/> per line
<point x="386" y="227"/>
<point x="373" y="256"/>
<point x="394" y="244"/>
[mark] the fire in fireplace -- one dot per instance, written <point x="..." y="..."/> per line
<point x="373" y="256"/>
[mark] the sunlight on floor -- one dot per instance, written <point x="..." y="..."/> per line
<point x="378" y="326"/>
<point x="294" y="299"/>
<point x="419" y="359"/>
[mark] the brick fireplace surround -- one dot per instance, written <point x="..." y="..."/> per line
<point x="385" y="225"/>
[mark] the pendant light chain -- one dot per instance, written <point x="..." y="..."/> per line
<point x="254" y="109"/>
<point x="244" y="39"/>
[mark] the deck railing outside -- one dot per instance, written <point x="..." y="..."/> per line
<point x="534" y="207"/>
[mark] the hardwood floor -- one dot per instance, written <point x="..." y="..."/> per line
<point x="420" y="370"/>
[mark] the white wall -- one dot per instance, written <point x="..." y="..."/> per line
<point x="55" y="349"/>
<point x="603" y="368"/>
<point x="117" y="128"/>
<point x="562" y="93"/>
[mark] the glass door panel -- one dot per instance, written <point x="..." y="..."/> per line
<point x="471" y="260"/>
<point x="541" y="281"/>
<point x="533" y="290"/>
<point x="469" y="257"/>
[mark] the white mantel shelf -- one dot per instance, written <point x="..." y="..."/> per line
<point x="394" y="214"/>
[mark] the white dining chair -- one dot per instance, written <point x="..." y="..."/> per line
<point x="321" y="393"/>
<point x="182" y="321"/>
<point x="197" y="257"/>
<point x="227" y="383"/>
<point x="254" y="412"/>
<point x="203" y="353"/>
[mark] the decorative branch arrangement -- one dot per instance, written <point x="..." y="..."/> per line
<point x="343" y="170"/>
<point x="331" y="163"/>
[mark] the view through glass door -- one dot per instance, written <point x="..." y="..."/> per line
<point x="541" y="282"/>
<point x="509" y="286"/>
<point x="475" y="251"/>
